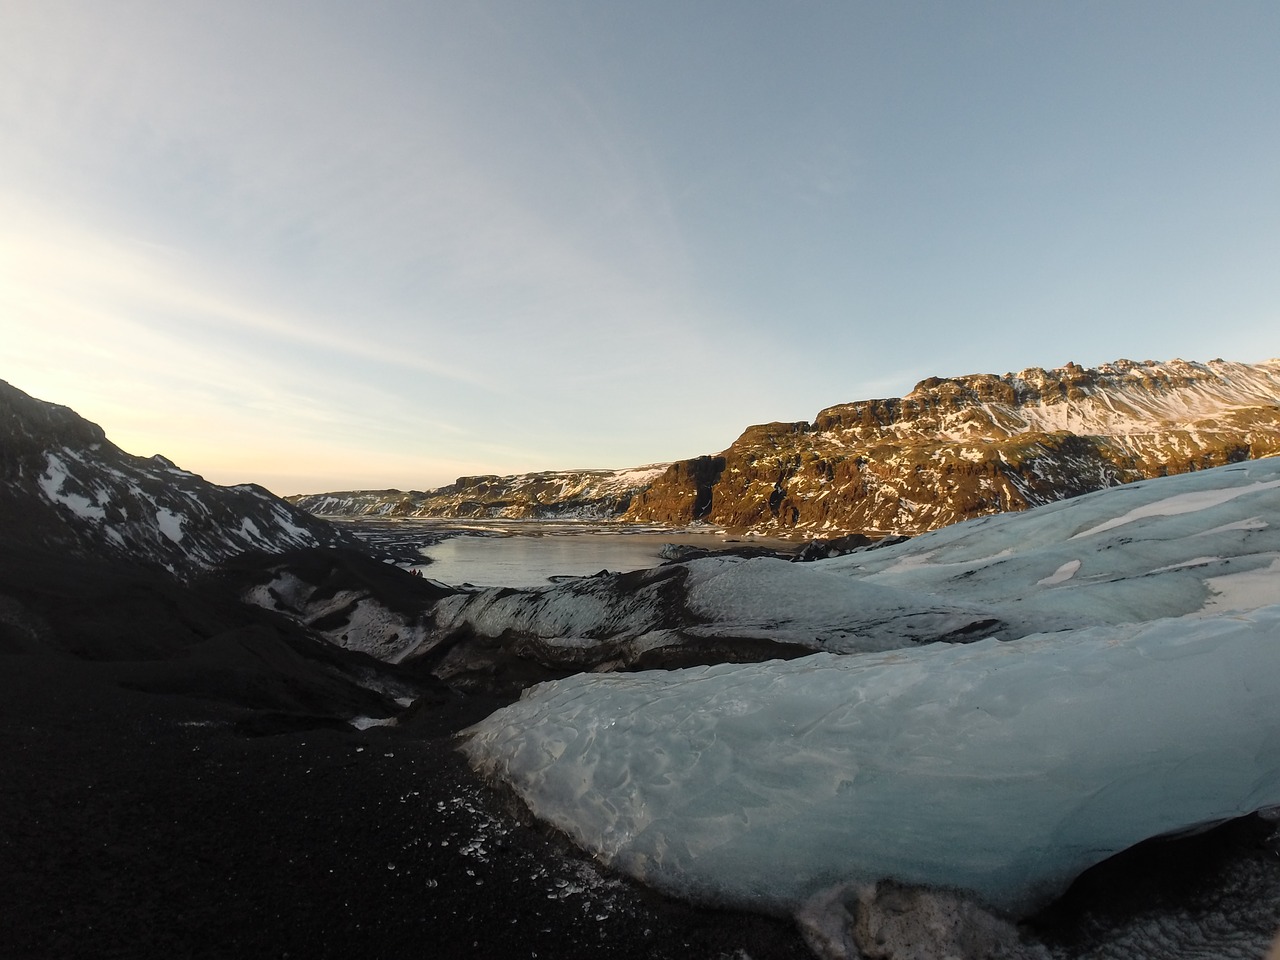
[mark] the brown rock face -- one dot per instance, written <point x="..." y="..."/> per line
<point x="686" y="490"/>
<point x="962" y="447"/>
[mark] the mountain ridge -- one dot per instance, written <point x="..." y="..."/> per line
<point x="588" y="494"/>
<point x="967" y="446"/>
<point x="65" y="486"/>
<point x="950" y="449"/>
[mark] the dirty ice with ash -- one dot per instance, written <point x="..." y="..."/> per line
<point x="1135" y="692"/>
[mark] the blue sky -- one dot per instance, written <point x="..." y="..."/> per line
<point x="323" y="245"/>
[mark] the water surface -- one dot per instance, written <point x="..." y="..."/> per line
<point x="529" y="553"/>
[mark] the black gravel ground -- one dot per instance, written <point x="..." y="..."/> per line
<point x="172" y="786"/>
<point x="134" y="825"/>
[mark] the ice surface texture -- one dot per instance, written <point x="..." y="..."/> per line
<point x="1199" y="543"/>
<point x="1003" y="768"/>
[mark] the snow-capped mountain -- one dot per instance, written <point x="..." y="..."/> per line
<point x="64" y="485"/>
<point x="968" y="446"/>
<point x="552" y="495"/>
<point x="1125" y="688"/>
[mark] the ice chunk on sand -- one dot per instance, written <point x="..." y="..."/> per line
<point x="1002" y="769"/>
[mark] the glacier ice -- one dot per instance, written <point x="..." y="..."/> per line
<point x="1133" y="693"/>
<point x="1004" y="769"/>
<point x="1126" y="546"/>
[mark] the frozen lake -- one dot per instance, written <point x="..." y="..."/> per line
<point x="529" y="553"/>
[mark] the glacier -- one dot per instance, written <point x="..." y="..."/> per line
<point x="1196" y="543"/>
<point x="1001" y="768"/>
<point x="1130" y="689"/>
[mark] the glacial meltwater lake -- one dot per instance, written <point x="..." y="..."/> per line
<point x="530" y="553"/>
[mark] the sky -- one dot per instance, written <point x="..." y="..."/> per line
<point x="329" y="245"/>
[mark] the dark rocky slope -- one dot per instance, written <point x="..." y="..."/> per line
<point x="64" y="485"/>
<point x="114" y="560"/>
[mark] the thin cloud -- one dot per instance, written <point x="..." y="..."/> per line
<point x="555" y="230"/>
<point x="84" y="279"/>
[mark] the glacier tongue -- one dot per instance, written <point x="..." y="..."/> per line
<point x="1002" y="769"/>
<point x="1132" y="693"/>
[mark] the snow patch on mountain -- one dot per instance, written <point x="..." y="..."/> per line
<point x="170" y="524"/>
<point x="64" y="486"/>
<point x="53" y="483"/>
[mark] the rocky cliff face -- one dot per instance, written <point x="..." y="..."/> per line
<point x="64" y="485"/>
<point x="962" y="447"/>
<point x="951" y="449"/>
<point x="554" y="495"/>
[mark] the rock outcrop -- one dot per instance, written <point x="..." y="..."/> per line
<point x="967" y="446"/>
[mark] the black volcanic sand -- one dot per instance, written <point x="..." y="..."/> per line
<point x="176" y="783"/>
<point x="134" y="825"/>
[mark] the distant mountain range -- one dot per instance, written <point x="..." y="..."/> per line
<point x="951" y="449"/>
<point x="551" y="495"/>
